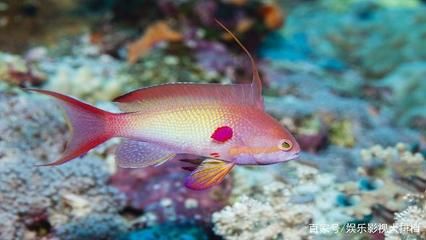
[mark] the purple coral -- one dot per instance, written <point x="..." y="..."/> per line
<point x="160" y="191"/>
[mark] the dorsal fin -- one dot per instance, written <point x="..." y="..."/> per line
<point x="256" y="81"/>
<point x="174" y="94"/>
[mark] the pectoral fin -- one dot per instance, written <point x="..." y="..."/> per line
<point x="136" y="154"/>
<point x="210" y="172"/>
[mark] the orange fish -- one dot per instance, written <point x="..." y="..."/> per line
<point x="224" y="124"/>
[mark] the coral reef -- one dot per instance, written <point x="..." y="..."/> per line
<point x="399" y="159"/>
<point x="386" y="175"/>
<point x="168" y="200"/>
<point x="249" y="218"/>
<point x="72" y="201"/>
<point x="408" y="88"/>
<point x="16" y="71"/>
<point x="345" y="76"/>
<point x="302" y="192"/>
<point x="99" y="76"/>
<point x="411" y="222"/>
<point x="271" y="206"/>
<point x="362" y="36"/>
<point x="168" y="231"/>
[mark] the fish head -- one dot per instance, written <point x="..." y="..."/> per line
<point x="267" y="143"/>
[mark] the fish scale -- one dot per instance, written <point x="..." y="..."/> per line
<point x="183" y="128"/>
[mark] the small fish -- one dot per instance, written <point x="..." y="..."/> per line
<point x="224" y="124"/>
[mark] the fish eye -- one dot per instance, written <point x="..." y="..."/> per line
<point x="285" y="145"/>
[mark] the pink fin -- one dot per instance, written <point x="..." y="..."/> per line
<point x="222" y="134"/>
<point x="136" y="154"/>
<point x="211" y="172"/>
<point x="88" y="126"/>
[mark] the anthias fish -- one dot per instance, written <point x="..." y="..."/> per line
<point x="225" y="125"/>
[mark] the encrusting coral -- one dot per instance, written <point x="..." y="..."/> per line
<point x="72" y="201"/>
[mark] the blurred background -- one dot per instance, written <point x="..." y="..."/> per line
<point x="347" y="77"/>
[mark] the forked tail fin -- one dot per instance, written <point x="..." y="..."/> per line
<point x="88" y="124"/>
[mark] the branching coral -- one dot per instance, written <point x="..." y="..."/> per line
<point x="249" y="218"/>
<point x="389" y="174"/>
<point x="411" y="222"/>
<point x="272" y="191"/>
<point x="277" y="207"/>
<point x="382" y="162"/>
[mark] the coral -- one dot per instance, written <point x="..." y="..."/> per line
<point x="363" y="35"/>
<point x="168" y="199"/>
<point x="408" y="88"/>
<point x="72" y="201"/>
<point x="168" y="231"/>
<point x="385" y="179"/>
<point x="32" y="125"/>
<point x="275" y="203"/>
<point x="341" y="133"/>
<point x="70" y="196"/>
<point x="345" y="5"/>
<point x="99" y="76"/>
<point x="94" y="226"/>
<point x="411" y="222"/>
<point x="154" y="34"/>
<point x="383" y="162"/>
<point x="388" y="174"/>
<point x="16" y="71"/>
<point x="325" y="111"/>
<point x="249" y="218"/>
<point x="159" y="67"/>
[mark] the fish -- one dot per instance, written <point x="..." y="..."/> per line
<point x="224" y="124"/>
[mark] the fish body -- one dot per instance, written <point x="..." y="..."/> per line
<point x="224" y="124"/>
<point x="187" y="128"/>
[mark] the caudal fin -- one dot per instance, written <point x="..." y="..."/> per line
<point x="88" y="126"/>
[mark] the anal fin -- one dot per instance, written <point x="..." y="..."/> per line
<point x="210" y="172"/>
<point x="137" y="154"/>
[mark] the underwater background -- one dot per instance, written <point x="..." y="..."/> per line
<point x="347" y="77"/>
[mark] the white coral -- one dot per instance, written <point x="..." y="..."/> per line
<point x="411" y="221"/>
<point x="269" y="218"/>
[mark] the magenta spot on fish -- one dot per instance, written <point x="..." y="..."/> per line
<point x="222" y="134"/>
